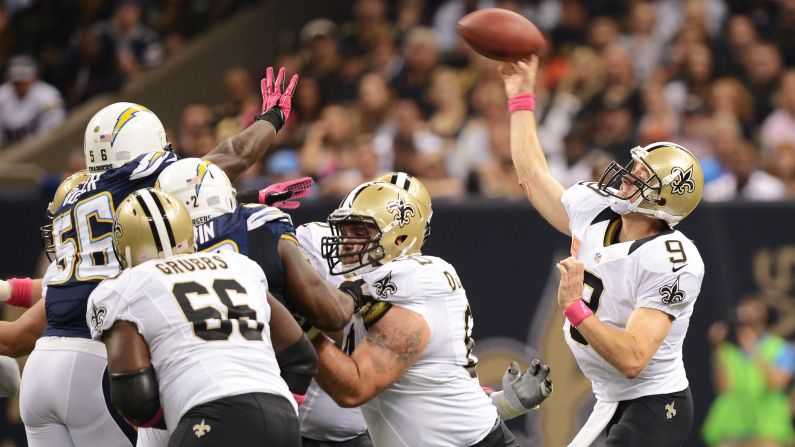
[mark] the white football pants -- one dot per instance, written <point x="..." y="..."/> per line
<point x="65" y="397"/>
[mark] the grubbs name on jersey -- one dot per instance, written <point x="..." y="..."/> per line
<point x="662" y="272"/>
<point x="205" y="319"/>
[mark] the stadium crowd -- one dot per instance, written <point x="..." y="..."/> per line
<point x="394" y="88"/>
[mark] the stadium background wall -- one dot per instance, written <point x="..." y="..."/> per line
<point x="505" y="253"/>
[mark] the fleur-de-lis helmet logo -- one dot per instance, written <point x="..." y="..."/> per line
<point x="684" y="180"/>
<point x="402" y="210"/>
<point x="671" y="293"/>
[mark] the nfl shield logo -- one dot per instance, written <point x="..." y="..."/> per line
<point x="597" y="257"/>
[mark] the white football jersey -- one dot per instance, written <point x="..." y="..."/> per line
<point x="206" y="320"/>
<point x="662" y="272"/>
<point x="438" y="401"/>
<point x="320" y="417"/>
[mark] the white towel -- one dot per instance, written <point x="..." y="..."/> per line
<point x="597" y="421"/>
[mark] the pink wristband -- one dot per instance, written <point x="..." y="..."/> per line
<point x="576" y="312"/>
<point x="20" y="292"/>
<point x="299" y="398"/>
<point x="522" y="101"/>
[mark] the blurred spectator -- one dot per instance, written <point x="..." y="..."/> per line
<point x="89" y="68"/>
<point x="764" y="68"/>
<point x="322" y="60"/>
<point x="782" y="165"/>
<point x="373" y="102"/>
<point x="328" y="146"/>
<point x="28" y="106"/>
<point x="751" y="370"/>
<point x="241" y="103"/>
<point x="659" y="122"/>
<point x="615" y="131"/>
<point x="779" y="127"/>
<point x="406" y="143"/>
<point x="602" y="33"/>
<point x="421" y="56"/>
<point x="497" y="177"/>
<point x="743" y="179"/>
<point x="693" y="83"/>
<point x="741" y="36"/>
<point x="137" y="46"/>
<point x="571" y="30"/>
<point x="695" y="129"/>
<point x="729" y="98"/>
<point x="782" y="33"/>
<point x="446" y="95"/>
<point x="645" y="47"/>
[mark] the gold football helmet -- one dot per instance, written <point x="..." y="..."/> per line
<point x="376" y="223"/>
<point x="671" y="192"/>
<point x="414" y="187"/>
<point x="151" y="224"/>
<point x="70" y="183"/>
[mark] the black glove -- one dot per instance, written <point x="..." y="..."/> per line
<point x="354" y="289"/>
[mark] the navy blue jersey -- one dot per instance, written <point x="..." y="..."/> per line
<point x="254" y="231"/>
<point x="82" y="229"/>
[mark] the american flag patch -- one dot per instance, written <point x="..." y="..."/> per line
<point x="105" y="138"/>
<point x="193" y="181"/>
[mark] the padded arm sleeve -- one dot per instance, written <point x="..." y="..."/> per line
<point x="136" y="396"/>
<point x="298" y="364"/>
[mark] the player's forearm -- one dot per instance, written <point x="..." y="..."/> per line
<point x="339" y="375"/>
<point x="528" y="157"/>
<point x="542" y="190"/>
<point x="621" y="349"/>
<point x="18" y="338"/>
<point x="235" y="154"/>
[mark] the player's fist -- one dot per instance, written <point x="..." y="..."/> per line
<point x="356" y="292"/>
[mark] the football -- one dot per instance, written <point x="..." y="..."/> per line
<point x="501" y="34"/>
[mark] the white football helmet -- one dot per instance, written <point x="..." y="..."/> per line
<point x="119" y="133"/>
<point x="201" y="186"/>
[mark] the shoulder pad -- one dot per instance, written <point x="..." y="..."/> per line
<point x="259" y="215"/>
<point x="582" y="200"/>
<point x="394" y="282"/>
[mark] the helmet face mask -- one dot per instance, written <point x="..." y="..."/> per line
<point x="355" y="243"/>
<point x="672" y="190"/>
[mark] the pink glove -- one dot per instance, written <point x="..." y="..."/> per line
<point x="278" y="194"/>
<point x="273" y="93"/>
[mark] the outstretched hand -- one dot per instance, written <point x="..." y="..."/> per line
<point x="274" y="94"/>
<point x="519" y="77"/>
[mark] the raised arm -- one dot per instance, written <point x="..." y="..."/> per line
<point x="235" y="154"/>
<point x="392" y="345"/>
<point x="543" y="190"/>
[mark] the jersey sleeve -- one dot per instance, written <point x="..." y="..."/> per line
<point x="52" y="270"/>
<point x="309" y="237"/>
<point x="583" y="201"/>
<point x="110" y="302"/>
<point x="668" y="287"/>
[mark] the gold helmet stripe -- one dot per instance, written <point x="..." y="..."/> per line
<point x="158" y="223"/>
